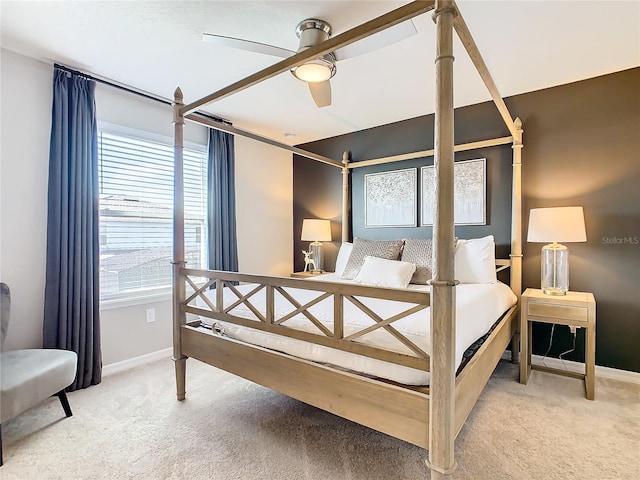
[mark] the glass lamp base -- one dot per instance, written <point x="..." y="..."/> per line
<point x="316" y="255"/>
<point x="554" y="291"/>
<point x="554" y="269"/>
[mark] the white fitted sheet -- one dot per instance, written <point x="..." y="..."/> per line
<point x="478" y="306"/>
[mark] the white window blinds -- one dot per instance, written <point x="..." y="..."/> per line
<point x="136" y="214"/>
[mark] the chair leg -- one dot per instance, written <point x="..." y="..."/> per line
<point x="67" y="411"/>
<point x="65" y="403"/>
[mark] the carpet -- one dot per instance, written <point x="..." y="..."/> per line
<point x="132" y="427"/>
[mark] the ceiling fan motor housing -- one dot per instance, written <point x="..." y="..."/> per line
<point x="311" y="32"/>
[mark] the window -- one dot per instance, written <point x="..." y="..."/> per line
<point x="136" y="213"/>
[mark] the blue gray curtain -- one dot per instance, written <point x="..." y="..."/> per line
<point x="72" y="295"/>
<point x="221" y="202"/>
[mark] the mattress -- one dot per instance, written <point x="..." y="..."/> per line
<point x="478" y="307"/>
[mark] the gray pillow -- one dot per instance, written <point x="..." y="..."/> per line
<point x="387" y="249"/>
<point x="420" y="252"/>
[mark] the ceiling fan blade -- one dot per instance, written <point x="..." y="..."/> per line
<point x="246" y="45"/>
<point x="321" y="93"/>
<point x="378" y="40"/>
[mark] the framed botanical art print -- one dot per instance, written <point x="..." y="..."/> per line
<point x="469" y="193"/>
<point x="390" y="198"/>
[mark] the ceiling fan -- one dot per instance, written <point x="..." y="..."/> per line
<point x="319" y="71"/>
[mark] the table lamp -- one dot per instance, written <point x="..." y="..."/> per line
<point x="316" y="231"/>
<point x="556" y="224"/>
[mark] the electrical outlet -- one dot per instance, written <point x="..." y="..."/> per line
<point x="151" y="315"/>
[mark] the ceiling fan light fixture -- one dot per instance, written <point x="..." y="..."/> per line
<point x="315" y="71"/>
<point x="311" y="33"/>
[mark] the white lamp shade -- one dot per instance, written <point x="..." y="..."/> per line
<point x="556" y="224"/>
<point x="315" y="230"/>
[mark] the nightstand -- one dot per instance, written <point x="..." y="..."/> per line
<point x="306" y="274"/>
<point x="576" y="309"/>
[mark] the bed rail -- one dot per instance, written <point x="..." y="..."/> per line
<point x="266" y="320"/>
<point x="502" y="264"/>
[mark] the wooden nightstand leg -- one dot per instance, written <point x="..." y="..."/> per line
<point x="523" y="361"/>
<point x="590" y="362"/>
<point x="525" y="352"/>
<point x="529" y="345"/>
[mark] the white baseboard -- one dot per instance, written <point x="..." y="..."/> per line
<point x="578" y="367"/>
<point x="136" y="361"/>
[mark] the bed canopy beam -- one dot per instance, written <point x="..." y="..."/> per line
<point x="243" y="133"/>
<point x="429" y="153"/>
<point x="474" y="54"/>
<point x="376" y="25"/>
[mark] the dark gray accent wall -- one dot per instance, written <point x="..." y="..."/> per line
<point x="581" y="147"/>
<point x="498" y="200"/>
<point x="317" y="193"/>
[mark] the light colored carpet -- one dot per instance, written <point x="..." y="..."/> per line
<point x="131" y="426"/>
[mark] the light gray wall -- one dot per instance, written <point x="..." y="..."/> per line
<point x="25" y="127"/>
<point x="25" y="130"/>
<point x="264" y="194"/>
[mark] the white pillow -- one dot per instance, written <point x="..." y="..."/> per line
<point x="475" y="260"/>
<point x="343" y="257"/>
<point x="381" y="272"/>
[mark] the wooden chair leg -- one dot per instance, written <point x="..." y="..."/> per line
<point x="65" y="403"/>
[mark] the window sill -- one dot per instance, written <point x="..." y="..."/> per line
<point x="134" y="301"/>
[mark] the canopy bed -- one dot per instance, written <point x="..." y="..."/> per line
<point x="429" y="416"/>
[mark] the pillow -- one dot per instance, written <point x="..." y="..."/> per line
<point x="387" y="249"/>
<point x="385" y="273"/>
<point x="419" y="251"/>
<point x="343" y="256"/>
<point x="475" y="260"/>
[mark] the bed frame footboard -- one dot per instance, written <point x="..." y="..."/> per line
<point x="391" y="409"/>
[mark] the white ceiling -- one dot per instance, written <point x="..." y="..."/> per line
<point x="156" y="46"/>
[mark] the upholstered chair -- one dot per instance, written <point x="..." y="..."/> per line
<point x="28" y="377"/>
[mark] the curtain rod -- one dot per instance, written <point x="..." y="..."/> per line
<point x="135" y="92"/>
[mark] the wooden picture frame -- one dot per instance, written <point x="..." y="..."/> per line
<point x="390" y="198"/>
<point x="469" y="193"/>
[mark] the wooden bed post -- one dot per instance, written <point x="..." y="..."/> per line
<point x="442" y="431"/>
<point x="346" y="203"/>
<point x="516" y="228"/>
<point x="179" y="317"/>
